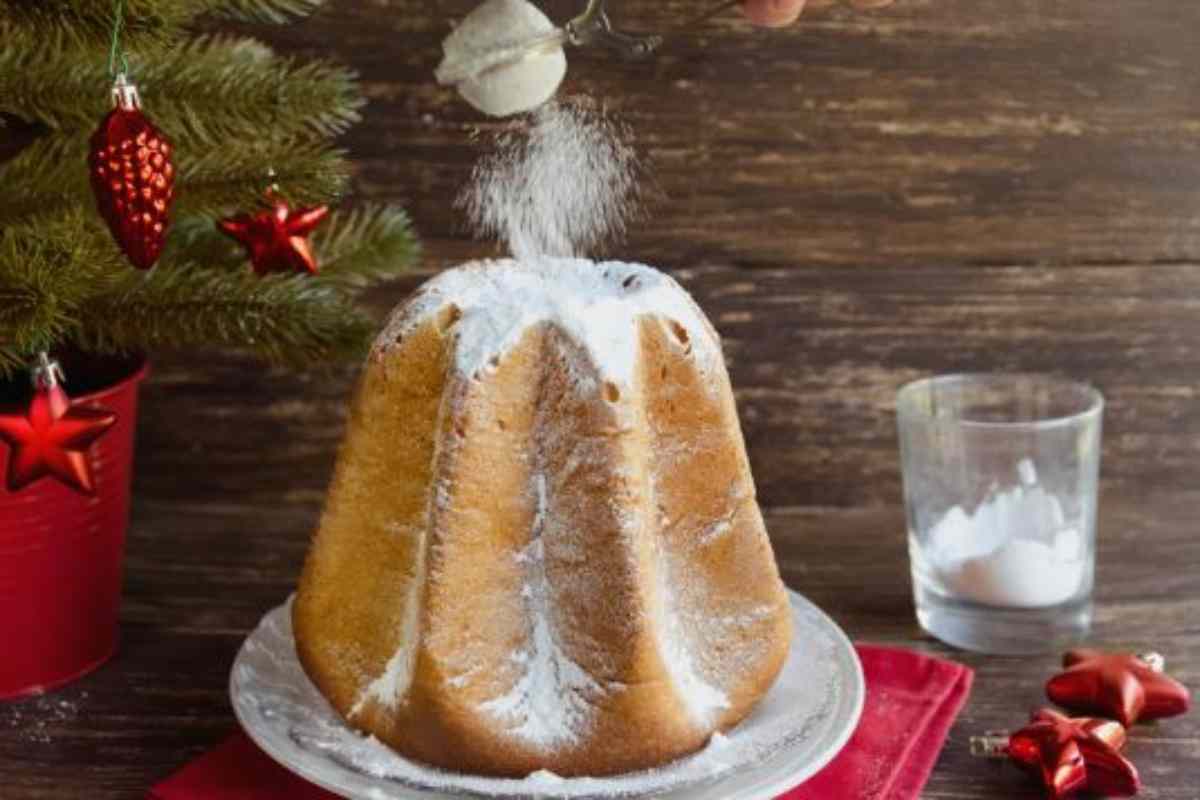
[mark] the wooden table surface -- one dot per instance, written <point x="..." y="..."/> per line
<point x="858" y="201"/>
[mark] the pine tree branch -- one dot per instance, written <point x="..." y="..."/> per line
<point x="52" y="176"/>
<point x="24" y="312"/>
<point x="354" y="248"/>
<point x="87" y="24"/>
<point x="46" y="273"/>
<point x="10" y="362"/>
<point x="214" y="89"/>
<point x="196" y="239"/>
<point x="226" y="179"/>
<point x="63" y="280"/>
<point x="234" y="109"/>
<point x="70" y="254"/>
<point x="292" y="320"/>
<point x="47" y="176"/>
<point x="272" y="11"/>
<point x="32" y="321"/>
<point x="366" y="245"/>
<point x="15" y="302"/>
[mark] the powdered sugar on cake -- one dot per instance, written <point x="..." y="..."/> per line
<point x="702" y="699"/>
<point x="549" y="705"/>
<point x="596" y="304"/>
<point x="280" y="707"/>
<point x="598" y="584"/>
<point x="389" y="688"/>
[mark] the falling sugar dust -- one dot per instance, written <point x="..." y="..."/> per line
<point x="564" y="182"/>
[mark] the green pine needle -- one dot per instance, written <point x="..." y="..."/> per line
<point x="366" y="245"/>
<point x="233" y="109"/>
<point x="64" y="280"/>
<point x="88" y="24"/>
<point x="46" y="274"/>
<point x="355" y="248"/>
<point x="224" y="179"/>
<point x="292" y="319"/>
<point x="273" y="11"/>
<point x="31" y="320"/>
<point x="10" y="361"/>
<point x="52" y="174"/>
<point x="83" y="28"/>
<point x="197" y="239"/>
<point x="213" y="89"/>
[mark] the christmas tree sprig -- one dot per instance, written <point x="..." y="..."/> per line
<point x="63" y="283"/>
<point x="232" y="108"/>
<point x="360" y="247"/>
<point x="80" y="25"/>
<point x="209" y="90"/>
<point x="215" y="178"/>
<point x="274" y="11"/>
<point x="58" y="25"/>
<point x="356" y="248"/>
<point x="286" y="319"/>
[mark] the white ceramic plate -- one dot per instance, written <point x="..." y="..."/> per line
<point x="802" y="723"/>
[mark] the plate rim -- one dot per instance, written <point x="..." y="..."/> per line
<point x="854" y="698"/>
<point x="771" y="789"/>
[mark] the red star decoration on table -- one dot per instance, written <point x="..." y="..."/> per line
<point x="1075" y="755"/>
<point x="1123" y="686"/>
<point x="276" y="239"/>
<point x="51" y="438"/>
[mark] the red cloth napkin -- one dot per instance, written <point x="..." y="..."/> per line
<point x="912" y="700"/>
<point x="236" y="770"/>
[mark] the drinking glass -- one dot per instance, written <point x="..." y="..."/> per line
<point x="1000" y="481"/>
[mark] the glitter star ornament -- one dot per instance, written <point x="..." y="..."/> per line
<point x="276" y="239"/>
<point x="1071" y="756"/>
<point x="51" y="437"/>
<point x="133" y="177"/>
<point x="1122" y="686"/>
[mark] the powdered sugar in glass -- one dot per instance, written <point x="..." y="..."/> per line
<point x="1000" y="484"/>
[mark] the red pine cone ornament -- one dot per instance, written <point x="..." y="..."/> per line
<point x="133" y="177"/>
<point x="52" y="437"/>
<point x="1124" y="686"/>
<point x="1071" y="756"/>
<point x="276" y="239"/>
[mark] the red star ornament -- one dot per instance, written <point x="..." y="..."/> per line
<point x="1075" y="755"/>
<point x="1123" y="686"/>
<point x="51" y="438"/>
<point x="276" y="239"/>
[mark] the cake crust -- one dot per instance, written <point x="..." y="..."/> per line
<point x="541" y="547"/>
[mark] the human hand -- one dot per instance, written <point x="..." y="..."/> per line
<point x="772" y="13"/>
<point x="779" y="13"/>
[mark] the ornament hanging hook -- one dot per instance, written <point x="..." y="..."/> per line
<point x="993" y="744"/>
<point x="1154" y="661"/>
<point x="46" y="373"/>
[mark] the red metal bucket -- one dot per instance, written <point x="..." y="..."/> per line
<point x="61" y="552"/>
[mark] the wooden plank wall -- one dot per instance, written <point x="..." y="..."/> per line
<point x="857" y="201"/>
